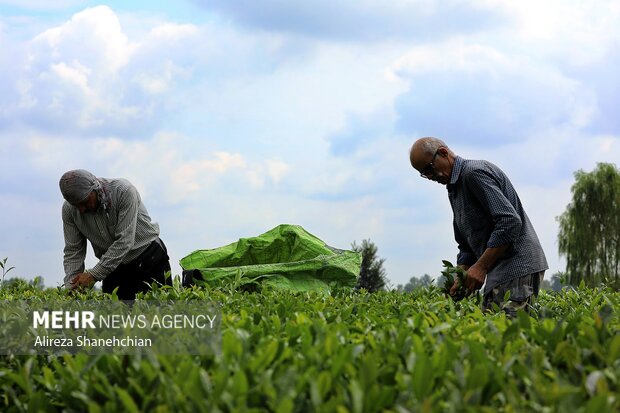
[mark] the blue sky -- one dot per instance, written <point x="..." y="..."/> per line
<point x="232" y="117"/>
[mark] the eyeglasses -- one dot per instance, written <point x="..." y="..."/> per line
<point x="429" y="170"/>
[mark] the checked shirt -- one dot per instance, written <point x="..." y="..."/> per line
<point x="119" y="231"/>
<point x="487" y="214"/>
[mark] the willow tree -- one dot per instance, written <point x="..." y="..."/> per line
<point x="589" y="234"/>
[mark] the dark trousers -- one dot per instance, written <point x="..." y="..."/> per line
<point x="137" y="275"/>
<point x="523" y="294"/>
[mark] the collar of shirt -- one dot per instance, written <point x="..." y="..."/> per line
<point x="456" y="170"/>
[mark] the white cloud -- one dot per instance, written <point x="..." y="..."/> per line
<point x="167" y="166"/>
<point x="475" y="92"/>
<point x="277" y="169"/>
<point x="76" y="75"/>
<point x="161" y="81"/>
<point x="171" y="32"/>
<point x="93" y="37"/>
<point x="610" y="144"/>
<point x="457" y="55"/>
<point x="578" y="32"/>
<point x="85" y="76"/>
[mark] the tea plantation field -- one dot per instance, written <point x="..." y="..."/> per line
<point x="346" y="352"/>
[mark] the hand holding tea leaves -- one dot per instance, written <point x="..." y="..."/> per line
<point x="476" y="275"/>
<point x="454" y="276"/>
<point x="83" y="280"/>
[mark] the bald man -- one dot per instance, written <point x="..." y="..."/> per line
<point x="497" y="244"/>
<point x="110" y="214"/>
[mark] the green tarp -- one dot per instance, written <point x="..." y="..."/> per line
<point x="286" y="257"/>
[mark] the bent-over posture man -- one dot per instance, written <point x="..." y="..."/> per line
<point x="110" y="214"/>
<point x="496" y="240"/>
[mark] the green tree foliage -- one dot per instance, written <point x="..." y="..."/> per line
<point x="372" y="274"/>
<point x="415" y="282"/>
<point x="555" y="284"/>
<point x="589" y="234"/>
<point x="16" y="283"/>
<point x="556" y="281"/>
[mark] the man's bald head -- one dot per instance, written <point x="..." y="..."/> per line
<point x="432" y="158"/>
<point x="424" y="147"/>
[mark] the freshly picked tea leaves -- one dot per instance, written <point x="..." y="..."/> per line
<point x="451" y="273"/>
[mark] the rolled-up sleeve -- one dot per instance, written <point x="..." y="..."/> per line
<point x="124" y="236"/>
<point x="506" y="220"/>
<point x="75" y="246"/>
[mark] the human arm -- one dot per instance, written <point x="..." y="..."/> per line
<point x="496" y="196"/>
<point x="465" y="257"/>
<point x="75" y="246"/>
<point x="477" y="273"/>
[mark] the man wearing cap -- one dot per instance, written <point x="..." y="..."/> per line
<point x="496" y="240"/>
<point x="110" y="214"/>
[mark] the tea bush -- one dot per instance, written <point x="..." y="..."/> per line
<point x="348" y="351"/>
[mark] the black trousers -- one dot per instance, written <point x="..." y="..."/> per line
<point x="137" y="275"/>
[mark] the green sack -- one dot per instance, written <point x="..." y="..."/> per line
<point x="286" y="257"/>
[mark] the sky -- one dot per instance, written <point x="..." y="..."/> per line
<point x="234" y="116"/>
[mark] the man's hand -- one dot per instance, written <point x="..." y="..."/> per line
<point x="455" y="286"/>
<point x="82" y="281"/>
<point x="476" y="275"/>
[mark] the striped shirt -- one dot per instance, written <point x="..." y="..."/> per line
<point x="488" y="214"/>
<point x="119" y="231"/>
